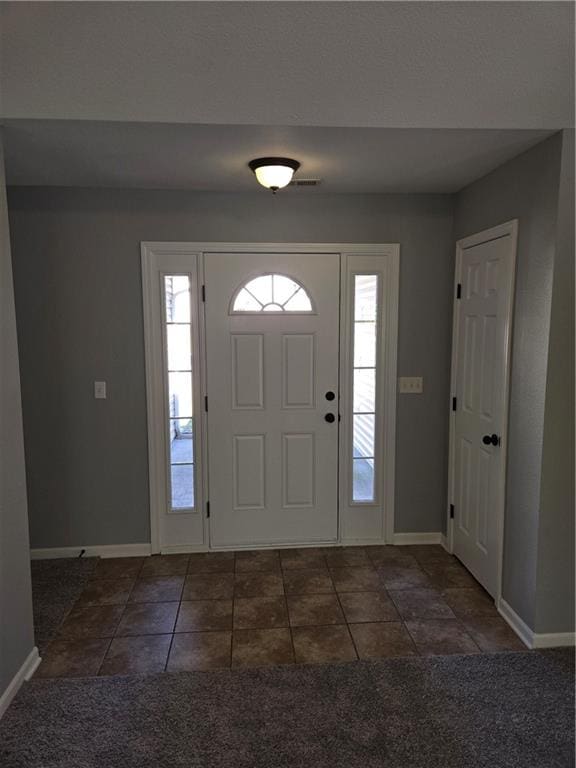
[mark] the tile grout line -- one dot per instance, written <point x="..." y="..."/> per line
<point x="104" y="658"/>
<point x="119" y="620"/>
<point x="173" y="633"/>
<point x="350" y="635"/>
<point x="233" y="598"/>
<point x="178" y="615"/>
<point x="440" y="592"/>
<point x="289" y="626"/>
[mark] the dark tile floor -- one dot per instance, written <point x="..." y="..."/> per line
<point x="223" y="609"/>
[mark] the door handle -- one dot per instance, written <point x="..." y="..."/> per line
<point x="330" y="395"/>
<point x="330" y="418"/>
<point x="491" y="440"/>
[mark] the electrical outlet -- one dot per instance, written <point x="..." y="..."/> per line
<point x="411" y="385"/>
<point x="100" y="390"/>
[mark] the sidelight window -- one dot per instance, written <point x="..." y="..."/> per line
<point x="364" y="341"/>
<point x="180" y="411"/>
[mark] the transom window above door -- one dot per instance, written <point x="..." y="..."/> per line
<point x="272" y="293"/>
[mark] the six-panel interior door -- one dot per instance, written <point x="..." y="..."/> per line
<point x="486" y="273"/>
<point x="272" y="336"/>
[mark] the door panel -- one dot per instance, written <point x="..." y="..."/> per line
<point x="249" y="471"/>
<point x="486" y="273"/>
<point x="247" y="371"/>
<point x="273" y="458"/>
<point x="298" y="470"/>
<point x="298" y="356"/>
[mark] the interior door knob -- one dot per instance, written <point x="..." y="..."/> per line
<point x="330" y="395"/>
<point x="330" y="418"/>
<point x="491" y="440"/>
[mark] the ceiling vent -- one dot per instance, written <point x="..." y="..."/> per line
<point x="304" y="183"/>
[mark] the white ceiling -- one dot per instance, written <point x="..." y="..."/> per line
<point x="353" y="64"/>
<point x="215" y="158"/>
<point x="374" y="96"/>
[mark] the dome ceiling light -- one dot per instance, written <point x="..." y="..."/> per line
<point x="274" y="172"/>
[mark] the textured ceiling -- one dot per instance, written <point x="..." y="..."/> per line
<point x="374" y="64"/>
<point x="215" y="157"/>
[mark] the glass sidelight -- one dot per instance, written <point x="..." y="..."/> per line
<point x="179" y="392"/>
<point x="364" y="356"/>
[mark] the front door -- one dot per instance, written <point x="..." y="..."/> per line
<point x="272" y="345"/>
<point x="483" y="321"/>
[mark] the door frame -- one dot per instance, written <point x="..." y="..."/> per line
<point x="508" y="228"/>
<point x="389" y="266"/>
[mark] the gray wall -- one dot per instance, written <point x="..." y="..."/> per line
<point x="16" y="633"/>
<point x="555" y="591"/>
<point x="525" y="188"/>
<point x="79" y="307"/>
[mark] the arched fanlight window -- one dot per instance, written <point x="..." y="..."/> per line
<point x="272" y="293"/>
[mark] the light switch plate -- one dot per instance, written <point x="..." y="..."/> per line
<point x="412" y="385"/>
<point x="100" y="390"/>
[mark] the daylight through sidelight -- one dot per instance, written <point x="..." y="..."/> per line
<point x="180" y="401"/>
<point x="364" y="386"/>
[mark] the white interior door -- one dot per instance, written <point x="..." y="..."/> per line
<point x="485" y="265"/>
<point x="272" y="337"/>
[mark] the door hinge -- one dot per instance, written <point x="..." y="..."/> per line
<point x="459" y="291"/>
<point x="206" y="403"/>
<point x="207" y="509"/>
<point x="204" y="293"/>
<point x="451" y="511"/>
<point x="454" y="403"/>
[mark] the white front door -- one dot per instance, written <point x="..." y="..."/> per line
<point x="272" y="345"/>
<point x="485" y="265"/>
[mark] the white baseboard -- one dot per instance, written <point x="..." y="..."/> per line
<point x="417" y="538"/>
<point x="142" y="550"/>
<point x="24" y="673"/>
<point x="444" y="542"/>
<point x="518" y="625"/>
<point x="554" y="639"/>
<point x="530" y="638"/>
<point x="107" y="550"/>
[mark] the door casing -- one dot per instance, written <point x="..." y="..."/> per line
<point x="388" y="266"/>
<point x="509" y="228"/>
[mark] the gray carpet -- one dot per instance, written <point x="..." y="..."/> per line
<point x="56" y="585"/>
<point x="498" y="711"/>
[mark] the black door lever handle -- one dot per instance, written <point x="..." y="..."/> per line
<point x="491" y="440"/>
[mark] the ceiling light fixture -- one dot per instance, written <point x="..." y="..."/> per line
<point x="274" y="172"/>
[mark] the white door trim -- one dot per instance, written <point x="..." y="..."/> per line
<point x="507" y="228"/>
<point x="390" y="298"/>
<point x="385" y="262"/>
<point x="24" y="673"/>
<point x="530" y="638"/>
